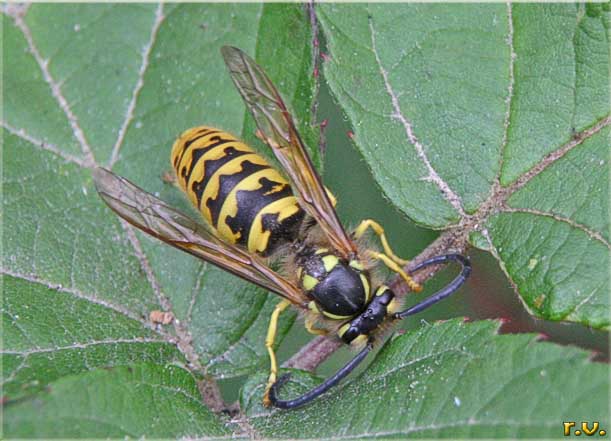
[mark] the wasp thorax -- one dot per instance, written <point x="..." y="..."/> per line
<point x="339" y="289"/>
<point x="369" y="320"/>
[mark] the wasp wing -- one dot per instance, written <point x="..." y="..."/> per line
<point x="151" y="215"/>
<point x="278" y="130"/>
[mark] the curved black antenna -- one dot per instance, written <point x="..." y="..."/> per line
<point x="320" y="389"/>
<point x="446" y="291"/>
<point x="449" y="289"/>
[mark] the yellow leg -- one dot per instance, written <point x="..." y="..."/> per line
<point x="390" y="263"/>
<point x="309" y="324"/>
<point x="269" y="344"/>
<point x="377" y="228"/>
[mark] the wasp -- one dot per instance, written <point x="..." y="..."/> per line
<point x="254" y="213"/>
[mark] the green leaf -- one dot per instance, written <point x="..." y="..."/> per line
<point x="554" y="239"/>
<point x="439" y="71"/>
<point x="455" y="380"/>
<point x="149" y="400"/>
<point x="493" y="118"/>
<point x="551" y="263"/>
<point x="63" y="36"/>
<point x="562" y="86"/>
<point x="35" y="353"/>
<point x="574" y="189"/>
<point x="113" y="85"/>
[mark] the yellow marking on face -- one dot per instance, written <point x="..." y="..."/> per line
<point x="361" y="340"/>
<point x="258" y="239"/>
<point x="393" y="307"/>
<point x="342" y="330"/>
<point x="366" y="287"/>
<point x="381" y="290"/>
<point x="356" y="265"/>
<point x="321" y="251"/>
<point x="212" y="187"/>
<point x="329" y="262"/>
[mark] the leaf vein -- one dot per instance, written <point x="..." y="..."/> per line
<point x="433" y="176"/>
<point x="509" y="99"/>
<point x="56" y="91"/>
<point x="20" y="133"/>
<point x="594" y="235"/>
<point x="81" y="295"/>
<point x="85" y="345"/>
<point x="129" y="116"/>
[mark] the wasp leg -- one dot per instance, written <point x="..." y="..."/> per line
<point x="309" y="325"/>
<point x="169" y="178"/>
<point x="446" y="291"/>
<point x="377" y="229"/>
<point x="392" y="265"/>
<point x="318" y="390"/>
<point x="269" y="344"/>
<point x="259" y="134"/>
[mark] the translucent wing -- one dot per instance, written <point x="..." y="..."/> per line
<point x="151" y="215"/>
<point x="277" y="128"/>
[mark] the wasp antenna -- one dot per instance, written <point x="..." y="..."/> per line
<point x="448" y="290"/>
<point x="320" y="389"/>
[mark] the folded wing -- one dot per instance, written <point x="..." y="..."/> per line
<point x="153" y="216"/>
<point x="278" y="130"/>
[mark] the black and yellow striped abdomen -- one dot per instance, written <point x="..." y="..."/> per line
<point x="240" y="195"/>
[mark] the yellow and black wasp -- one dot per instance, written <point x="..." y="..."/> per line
<point x="253" y="213"/>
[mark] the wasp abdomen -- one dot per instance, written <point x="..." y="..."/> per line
<point x="240" y="195"/>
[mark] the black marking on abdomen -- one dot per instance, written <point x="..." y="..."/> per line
<point x="281" y="232"/>
<point x="251" y="202"/>
<point x="204" y="131"/>
<point x="228" y="183"/>
<point x="210" y="167"/>
<point x="198" y="152"/>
